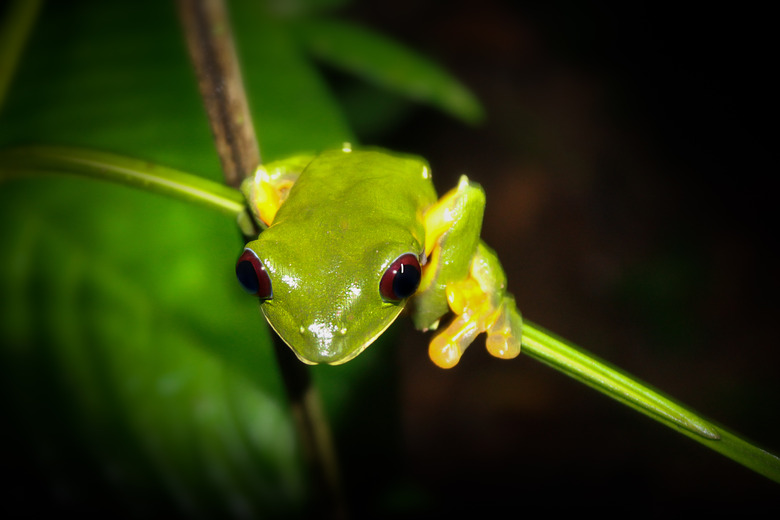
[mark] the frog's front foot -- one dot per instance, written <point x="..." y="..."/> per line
<point x="480" y="305"/>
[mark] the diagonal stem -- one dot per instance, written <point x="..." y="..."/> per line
<point x="613" y="382"/>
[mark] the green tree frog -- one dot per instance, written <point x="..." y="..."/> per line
<point x="353" y="237"/>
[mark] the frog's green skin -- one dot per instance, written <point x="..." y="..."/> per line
<point x="343" y="217"/>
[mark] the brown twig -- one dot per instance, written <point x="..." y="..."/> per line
<point x="210" y="43"/>
<point x="312" y="426"/>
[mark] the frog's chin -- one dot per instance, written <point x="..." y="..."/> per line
<point x="334" y="360"/>
<point x="325" y="342"/>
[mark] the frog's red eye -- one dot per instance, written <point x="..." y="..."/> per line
<point x="401" y="278"/>
<point x="253" y="276"/>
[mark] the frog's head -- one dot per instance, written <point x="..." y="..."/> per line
<point x="329" y="303"/>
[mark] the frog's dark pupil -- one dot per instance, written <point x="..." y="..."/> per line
<point x="245" y="272"/>
<point x="406" y="280"/>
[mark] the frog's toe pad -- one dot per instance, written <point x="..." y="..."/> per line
<point x="504" y="335"/>
<point x="444" y="354"/>
<point x="448" y="346"/>
<point x="504" y="347"/>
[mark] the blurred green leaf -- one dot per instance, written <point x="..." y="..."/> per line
<point x="16" y="21"/>
<point x="293" y="110"/>
<point x="137" y="371"/>
<point x="164" y="389"/>
<point x="389" y="64"/>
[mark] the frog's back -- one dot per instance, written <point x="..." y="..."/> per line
<point x="363" y="187"/>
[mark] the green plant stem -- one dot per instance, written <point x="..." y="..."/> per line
<point x="537" y="343"/>
<point x="58" y="160"/>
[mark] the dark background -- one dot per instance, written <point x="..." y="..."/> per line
<point x="627" y="159"/>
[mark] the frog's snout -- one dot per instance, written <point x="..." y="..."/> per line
<point x="319" y="343"/>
